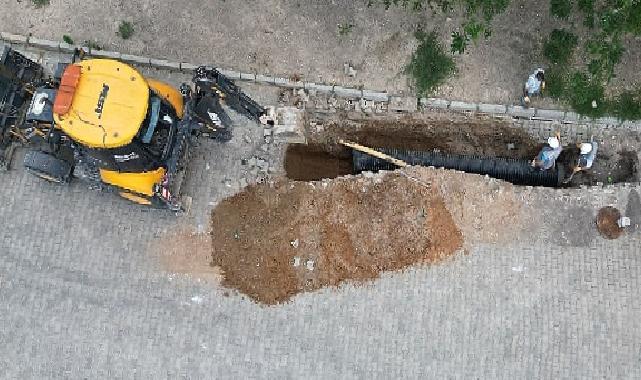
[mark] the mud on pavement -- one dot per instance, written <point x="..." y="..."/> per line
<point x="276" y="240"/>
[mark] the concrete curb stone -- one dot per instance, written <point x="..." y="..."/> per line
<point x="136" y="59"/>
<point x="435" y="103"/>
<point x="377" y="96"/>
<point x="519" y="111"/>
<point x="463" y="106"/>
<point x="66" y="48"/>
<point x="549" y="114"/>
<point x="44" y="44"/>
<point x="164" y="64"/>
<point x="14" y="38"/>
<point x="106" y="54"/>
<point x="492" y="108"/>
<point x="260" y="78"/>
<point x="347" y="92"/>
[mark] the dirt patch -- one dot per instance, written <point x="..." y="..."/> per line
<point x="486" y="211"/>
<point x="276" y="240"/>
<point x="609" y="167"/>
<point x="606" y="222"/>
<point x="491" y="138"/>
<point x="187" y="252"/>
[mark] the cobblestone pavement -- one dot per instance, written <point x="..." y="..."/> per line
<point x="82" y="295"/>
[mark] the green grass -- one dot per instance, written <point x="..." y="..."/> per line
<point x="430" y="65"/>
<point x="40" y="3"/>
<point x="587" y="7"/>
<point x="581" y="91"/>
<point x="561" y="8"/>
<point x="345" y="29"/>
<point x="559" y="46"/>
<point x="125" y="30"/>
<point x="555" y="83"/>
<point x="627" y="106"/>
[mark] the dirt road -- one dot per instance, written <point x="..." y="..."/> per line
<point x="286" y="38"/>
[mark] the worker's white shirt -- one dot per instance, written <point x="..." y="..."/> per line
<point x="533" y="85"/>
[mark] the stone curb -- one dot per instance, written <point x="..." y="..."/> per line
<point x="514" y="111"/>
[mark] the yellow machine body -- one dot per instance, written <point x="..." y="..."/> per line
<point x="169" y="94"/>
<point x="141" y="183"/>
<point x="109" y="104"/>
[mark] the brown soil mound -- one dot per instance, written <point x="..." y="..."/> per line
<point x="274" y="241"/>
<point x="606" y="222"/>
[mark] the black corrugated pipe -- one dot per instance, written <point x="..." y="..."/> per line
<point x="518" y="172"/>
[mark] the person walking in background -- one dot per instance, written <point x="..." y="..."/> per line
<point x="534" y="85"/>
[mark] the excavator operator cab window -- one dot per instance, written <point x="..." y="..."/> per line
<point x="155" y="131"/>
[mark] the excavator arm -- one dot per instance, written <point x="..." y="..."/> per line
<point x="212" y="90"/>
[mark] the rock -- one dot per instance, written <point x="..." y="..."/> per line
<point x="262" y="164"/>
<point x="242" y="183"/>
<point x="294" y="243"/>
<point x="247" y="139"/>
<point x="296" y="262"/>
<point x="252" y="162"/>
<point x="310" y="265"/>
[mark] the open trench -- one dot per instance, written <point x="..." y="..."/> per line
<point x="482" y="147"/>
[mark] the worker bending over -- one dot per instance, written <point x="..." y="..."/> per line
<point x="546" y="159"/>
<point x="586" y="157"/>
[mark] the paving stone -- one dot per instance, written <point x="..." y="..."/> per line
<point x="608" y="121"/>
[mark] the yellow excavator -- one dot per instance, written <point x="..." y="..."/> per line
<point x="100" y="120"/>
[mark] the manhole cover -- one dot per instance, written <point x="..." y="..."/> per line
<point x="606" y="222"/>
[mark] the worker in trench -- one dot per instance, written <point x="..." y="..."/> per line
<point x="587" y="155"/>
<point x="534" y="86"/>
<point x="546" y="159"/>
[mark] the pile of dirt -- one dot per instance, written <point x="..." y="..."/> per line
<point x="275" y="240"/>
<point x="607" y="222"/>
